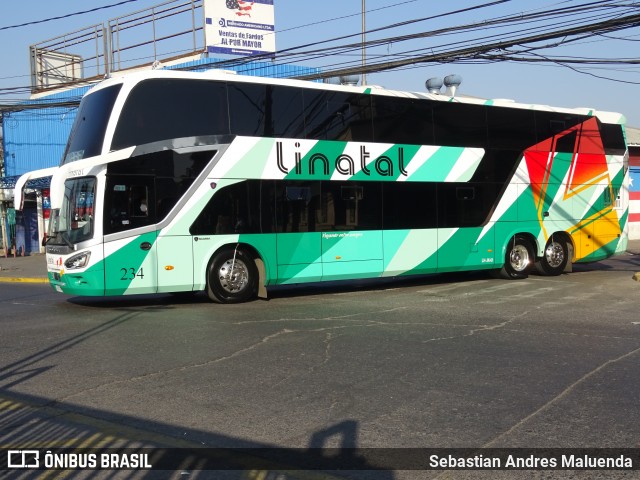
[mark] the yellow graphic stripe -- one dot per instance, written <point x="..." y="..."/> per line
<point x="571" y="192"/>
<point x="598" y="229"/>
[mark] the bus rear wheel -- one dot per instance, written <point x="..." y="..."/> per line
<point x="518" y="259"/>
<point x="232" y="277"/>
<point x="554" y="259"/>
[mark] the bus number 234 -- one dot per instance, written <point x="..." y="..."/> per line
<point x="130" y="273"/>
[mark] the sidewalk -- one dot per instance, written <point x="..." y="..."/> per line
<point x="634" y="247"/>
<point x="33" y="268"/>
<point x="30" y="269"/>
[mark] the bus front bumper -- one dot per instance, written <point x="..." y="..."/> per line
<point x="88" y="283"/>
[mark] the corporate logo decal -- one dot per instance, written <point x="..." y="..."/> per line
<point x="62" y="459"/>
<point x="23" y="459"/>
<point x="344" y="164"/>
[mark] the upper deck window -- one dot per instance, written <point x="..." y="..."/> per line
<point x="613" y="139"/>
<point x="87" y="134"/>
<point x="161" y="109"/>
<point x="266" y="110"/>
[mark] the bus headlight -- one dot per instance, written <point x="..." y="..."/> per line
<point x="78" y="261"/>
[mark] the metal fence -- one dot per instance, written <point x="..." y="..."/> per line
<point x="166" y="32"/>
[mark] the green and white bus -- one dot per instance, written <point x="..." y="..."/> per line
<point x="186" y="182"/>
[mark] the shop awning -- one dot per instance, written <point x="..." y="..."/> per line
<point x="9" y="183"/>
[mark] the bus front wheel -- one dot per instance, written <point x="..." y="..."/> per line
<point x="232" y="277"/>
<point x="518" y="259"/>
<point x="554" y="259"/>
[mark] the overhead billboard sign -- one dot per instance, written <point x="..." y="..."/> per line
<point x="239" y="27"/>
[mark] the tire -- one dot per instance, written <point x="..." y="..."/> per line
<point x="232" y="277"/>
<point x="518" y="259"/>
<point x="554" y="259"/>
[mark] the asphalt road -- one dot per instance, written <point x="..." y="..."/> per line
<point x="450" y="361"/>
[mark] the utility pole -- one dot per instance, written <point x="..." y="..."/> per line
<point x="364" y="49"/>
<point x="4" y="244"/>
<point x="1" y="146"/>
<point x="3" y="216"/>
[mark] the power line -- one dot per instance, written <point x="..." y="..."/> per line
<point x="440" y="55"/>
<point x="578" y="22"/>
<point x="620" y="23"/>
<point x="291" y="55"/>
<point x="68" y="15"/>
<point x="27" y="89"/>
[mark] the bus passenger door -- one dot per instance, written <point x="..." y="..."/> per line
<point x="298" y="244"/>
<point x="130" y="247"/>
<point x="175" y="263"/>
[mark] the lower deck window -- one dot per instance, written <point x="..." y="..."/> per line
<point x="255" y="206"/>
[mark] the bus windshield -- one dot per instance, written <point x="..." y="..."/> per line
<point x="74" y="221"/>
<point x="87" y="134"/>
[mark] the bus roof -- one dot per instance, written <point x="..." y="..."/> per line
<point x="230" y="76"/>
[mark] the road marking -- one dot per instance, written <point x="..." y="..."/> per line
<point x="23" y="280"/>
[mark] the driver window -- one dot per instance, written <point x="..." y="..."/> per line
<point x="128" y="204"/>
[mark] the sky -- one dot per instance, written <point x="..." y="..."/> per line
<point x="301" y="22"/>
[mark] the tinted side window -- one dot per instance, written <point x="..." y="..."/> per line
<point x="458" y="124"/>
<point x="172" y="173"/>
<point x="612" y="139"/>
<point x="351" y="206"/>
<point x="129" y="202"/>
<point x="184" y="167"/>
<point x="296" y="206"/>
<point x="337" y="116"/>
<point x="176" y="176"/>
<point x="549" y="124"/>
<point x="402" y="120"/>
<point x="265" y="110"/>
<point x="162" y="109"/>
<point x="410" y="205"/>
<point x="466" y="204"/>
<point x="511" y="128"/>
<point x="328" y="206"/>
<point x="232" y="209"/>
<point x="567" y="143"/>
<point x="497" y="165"/>
<point x="87" y="134"/>
<point x="246" y="109"/>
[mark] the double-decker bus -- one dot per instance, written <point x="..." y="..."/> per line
<point x="186" y="182"/>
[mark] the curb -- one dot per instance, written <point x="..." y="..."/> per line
<point x="23" y="280"/>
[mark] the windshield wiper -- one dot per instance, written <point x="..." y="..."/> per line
<point x="58" y="235"/>
<point x="66" y="239"/>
